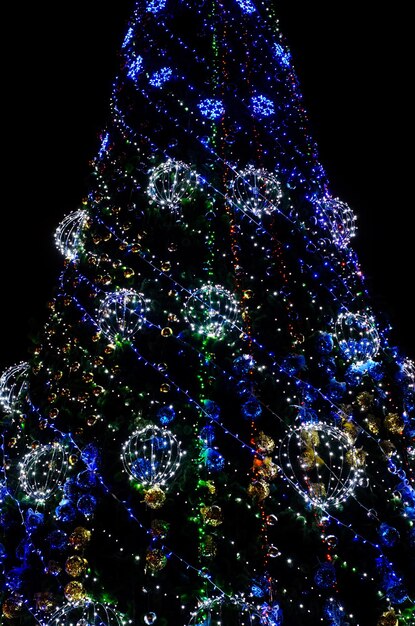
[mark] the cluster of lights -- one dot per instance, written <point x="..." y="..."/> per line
<point x="172" y="182"/>
<point x="212" y="311"/>
<point x="13" y="385"/>
<point x="69" y="233"/>
<point x="43" y="471"/>
<point x="151" y="456"/>
<point x="318" y="460"/>
<point x="357" y="336"/>
<point x="256" y="191"/>
<point x="121" y="314"/>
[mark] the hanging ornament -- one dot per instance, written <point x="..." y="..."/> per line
<point x="338" y="218"/>
<point x="357" y="337"/>
<point x="75" y="592"/>
<point x="211" y="311"/>
<point x="171" y="183"/>
<point x="159" y="528"/>
<point x="325" y="576"/>
<point x="212" y="515"/>
<point x="151" y="456"/>
<point x="156" y="560"/>
<point x="388" y="618"/>
<point x="264" y="443"/>
<point x="154" y="497"/>
<point x="45" y="601"/>
<point x="208" y="548"/>
<point x="166" y="414"/>
<point x="13" y="385"/>
<point x="87" y="614"/>
<point x="327" y="478"/>
<point x="121" y="314"/>
<point x="75" y="566"/>
<point x="43" y="471"/>
<point x="394" y="423"/>
<point x="243" y="365"/>
<point x="150" y="618"/>
<point x="80" y="538"/>
<point x="69" y="232"/>
<point x="258" y="489"/>
<point x="256" y="191"/>
<point x="12" y="607"/>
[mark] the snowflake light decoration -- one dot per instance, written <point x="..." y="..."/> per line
<point x="282" y="54"/>
<point x="247" y="6"/>
<point x="69" y="232"/>
<point x="211" y="108"/>
<point x="262" y="106"/>
<point x="157" y="79"/>
<point x="256" y="191"/>
<point x="155" y="6"/>
<point x="135" y="67"/>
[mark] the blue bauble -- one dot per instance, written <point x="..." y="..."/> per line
<point x="214" y="460"/>
<point x="33" y="519"/>
<point x="87" y="505"/>
<point x="251" y="409"/>
<point x="90" y="456"/>
<point x="65" y="511"/>
<point x="166" y="414"/>
<point x="212" y="409"/>
<point x="243" y="364"/>
<point x="58" y="540"/>
<point x="207" y="435"/>
<point x="86" y="480"/>
<point x="325" y="577"/>
<point x="389" y="536"/>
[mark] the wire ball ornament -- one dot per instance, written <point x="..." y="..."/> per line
<point x="357" y="336"/>
<point x="43" y="471"/>
<point x="151" y="456"/>
<point x="338" y="218"/>
<point x="121" y="314"/>
<point x="321" y="463"/>
<point x="235" y="611"/>
<point x="69" y="232"/>
<point x="256" y="191"/>
<point x="13" y="385"/>
<point x="87" y="614"/>
<point x="171" y="183"/>
<point x="211" y="311"/>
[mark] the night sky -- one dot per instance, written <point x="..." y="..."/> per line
<point x="355" y="70"/>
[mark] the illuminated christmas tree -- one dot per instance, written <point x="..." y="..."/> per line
<point x="213" y="427"/>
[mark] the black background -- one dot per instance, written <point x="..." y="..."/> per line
<point x="354" y="62"/>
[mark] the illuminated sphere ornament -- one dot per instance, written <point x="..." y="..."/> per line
<point x="256" y="191"/>
<point x="69" y="232"/>
<point x="87" y="614"/>
<point x="316" y="460"/>
<point x="151" y="456"/>
<point x="121" y="314"/>
<point x="337" y="217"/>
<point x="43" y="471"/>
<point x="171" y="183"/>
<point x="357" y="337"/>
<point x="233" y="610"/>
<point x="211" y="311"/>
<point x="13" y="385"/>
<point x="150" y="618"/>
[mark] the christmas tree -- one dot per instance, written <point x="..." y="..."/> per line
<point x="213" y="426"/>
